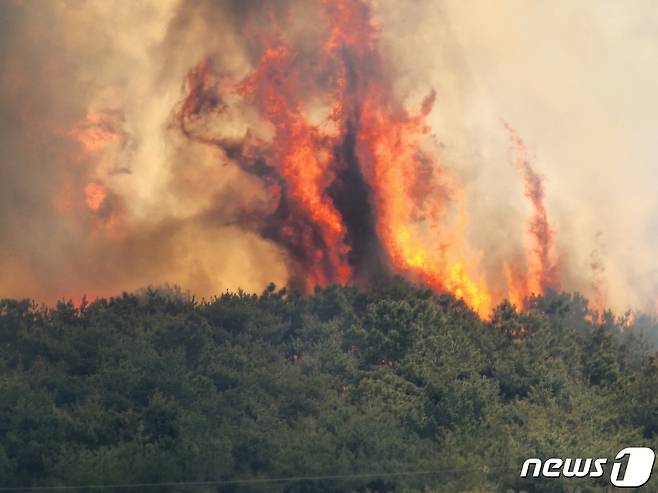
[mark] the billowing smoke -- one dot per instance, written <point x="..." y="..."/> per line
<point x="227" y="144"/>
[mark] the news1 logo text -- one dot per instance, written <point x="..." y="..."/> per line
<point x="631" y="468"/>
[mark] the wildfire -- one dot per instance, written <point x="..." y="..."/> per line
<point x="96" y="132"/>
<point x="95" y="195"/>
<point x="304" y="159"/>
<point x="363" y="190"/>
<point x="227" y="145"/>
<point x="543" y="270"/>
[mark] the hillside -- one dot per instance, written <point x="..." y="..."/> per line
<point x="157" y="387"/>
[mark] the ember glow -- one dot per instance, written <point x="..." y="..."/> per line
<point x="216" y="146"/>
<point x="95" y="195"/>
<point x="95" y="132"/>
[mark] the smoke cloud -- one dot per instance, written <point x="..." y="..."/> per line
<point x="104" y="190"/>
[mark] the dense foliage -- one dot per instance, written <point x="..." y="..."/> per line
<point x="156" y="387"/>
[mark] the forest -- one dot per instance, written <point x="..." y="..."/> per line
<point x="389" y="389"/>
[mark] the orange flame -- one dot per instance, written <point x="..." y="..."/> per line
<point x="543" y="269"/>
<point x="415" y="209"/>
<point x="304" y="157"/>
<point x="96" y="132"/>
<point x="95" y="195"/>
<point x="390" y="150"/>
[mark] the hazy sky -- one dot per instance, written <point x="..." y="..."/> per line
<point x="576" y="79"/>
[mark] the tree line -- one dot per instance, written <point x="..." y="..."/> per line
<point x="359" y="385"/>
